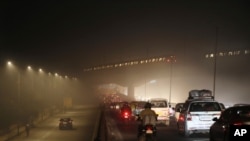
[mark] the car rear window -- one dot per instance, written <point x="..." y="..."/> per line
<point x="204" y="106"/>
<point x="179" y="105"/>
<point x="244" y="113"/>
<point x="159" y="104"/>
<point x="65" y="119"/>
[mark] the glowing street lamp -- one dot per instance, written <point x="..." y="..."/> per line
<point x="9" y="63"/>
<point x="40" y="70"/>
<point x="29" y="68"/>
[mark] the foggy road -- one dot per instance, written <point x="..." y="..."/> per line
<point x="84" y="120"/>
<point x="128" y="131"/>
<point x="55" y="55"/>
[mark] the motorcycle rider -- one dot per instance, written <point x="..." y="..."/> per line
<point x="147" y="116"/>
<point x="126" y="108"/>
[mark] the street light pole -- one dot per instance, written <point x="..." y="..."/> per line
<point x="170" y="81"/>
<point x="18" y="97"/>
<point x="171" y="61"/>
<point x="19" y="88"/>
<point x="18" y="84"/>
<point x="215" y="60"/>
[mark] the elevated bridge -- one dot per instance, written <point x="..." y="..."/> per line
<point x="173" y="79"/>
<point x="140" y="80"/>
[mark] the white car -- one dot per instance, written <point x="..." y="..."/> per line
<point x="197" y="114"/>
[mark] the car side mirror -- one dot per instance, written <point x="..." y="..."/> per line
<point x="178" y="109"/>
<point x="215" y="119"/>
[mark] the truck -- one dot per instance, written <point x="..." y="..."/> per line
<point x="160" y="106"/>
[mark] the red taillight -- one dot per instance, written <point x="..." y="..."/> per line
<point x="189" y="118"/>
<point x="181" y="117"/>
<point x="125" y="113"/>
<point x="237" y="123"/>
<point x="149" y="128"/>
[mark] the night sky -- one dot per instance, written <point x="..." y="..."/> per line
<point x="70" y="36"/>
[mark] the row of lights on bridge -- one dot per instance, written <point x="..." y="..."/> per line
<point x="164" y="59"/>
<point x="132" y="63"/>
<point x="229" y="53"/>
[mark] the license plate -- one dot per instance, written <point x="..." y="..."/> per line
<point x="149" y="131"/>
<point x="205" y="118"/>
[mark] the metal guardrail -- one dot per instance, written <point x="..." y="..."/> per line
<point x="100" y="131"/>
<point x="103" y="129"/>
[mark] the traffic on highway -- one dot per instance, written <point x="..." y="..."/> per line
<point x="99" y="123"/>
<point x="125" y="71"/>
<point x="193" y="120"/>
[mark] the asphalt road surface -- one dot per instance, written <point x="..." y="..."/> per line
<point x="127" y="131"/>
<point x="84" y="122"/>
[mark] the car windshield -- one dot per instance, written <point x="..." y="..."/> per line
<point x="65" y="119"/>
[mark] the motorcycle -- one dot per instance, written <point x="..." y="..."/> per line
<point x="126" y="115"/>
<point x="148" y="133"/>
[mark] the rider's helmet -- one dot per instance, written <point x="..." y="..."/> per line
<point x="147" y="105"/>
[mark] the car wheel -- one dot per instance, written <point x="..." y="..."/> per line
<point x="178" y="129"/>
<point x="211" y="138"/>
<point x="210" y="135"/>
<point x="181" y="129"/>
<point x="186" y="133"/>
<point x="167" y="122"/>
